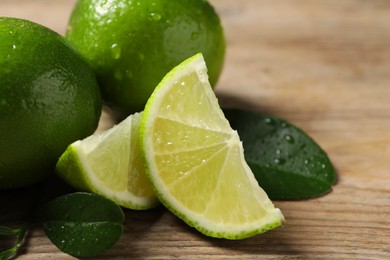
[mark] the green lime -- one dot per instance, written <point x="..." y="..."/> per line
<point x="133" y="44"/>
<point x="48" y="98"/>
<point x="110" y="164"/>
<point x="195" y="160"/>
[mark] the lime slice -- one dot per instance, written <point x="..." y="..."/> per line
<point x="195" y="160"/>
<point x="110" y="164"/>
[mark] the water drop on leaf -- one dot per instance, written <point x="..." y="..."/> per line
<point x="289" y="139"/>
<point x="93" y="223"/>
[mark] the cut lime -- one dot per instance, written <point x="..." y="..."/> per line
<point x="195" y="160"/>
<point x="110" y="164"/>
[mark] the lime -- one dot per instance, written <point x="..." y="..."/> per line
<point x="133" y="44"/>
<point x="48" y="98"/>
<point x="110" y="164"/>
<point x="195" y="160"/>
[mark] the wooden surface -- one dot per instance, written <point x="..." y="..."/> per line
<point x="325" y="67"/>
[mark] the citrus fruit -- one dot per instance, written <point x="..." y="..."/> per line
<point x="110" y="164"/>
<point x="48" y="98"/>
<point x="195" y="160"/>
<point x="133" y="44"/>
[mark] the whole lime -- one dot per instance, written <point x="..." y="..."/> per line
<point x="132" y="44"/>
<point x="48" y="98"/>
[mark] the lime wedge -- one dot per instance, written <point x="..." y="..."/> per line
<point x="195" y="160"/>
<point x="110" y="164"/>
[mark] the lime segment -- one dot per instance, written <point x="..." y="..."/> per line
<point x="195" y="160"/>
<point x="110" y="164"/>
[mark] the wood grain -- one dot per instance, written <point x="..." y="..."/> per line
<point x="325" y="67"/>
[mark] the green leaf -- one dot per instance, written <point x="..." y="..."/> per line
<point x="7" y="231"/>
<point x="286" y="162"/>
<point x="19" y="233"/>
<point x="82" y="224"/>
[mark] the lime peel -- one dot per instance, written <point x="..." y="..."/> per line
<point x="158" y="35"/>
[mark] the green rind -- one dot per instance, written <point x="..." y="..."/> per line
<point x="68" y="168"/>
<point x="49" y="98"/>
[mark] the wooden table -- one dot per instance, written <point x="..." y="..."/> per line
<point x="325" y="67"/>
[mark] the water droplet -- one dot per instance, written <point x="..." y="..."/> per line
<point x="306" y="161"/>
<point x="323" y="166"/>
<point x="13" y="46"/>
<point x="269" y="121"/>
<point x="116" y="51"/>
<point x="278" y="151"/>
<point x="183" y="83"/>
<point x="156" y="16"/>
<point x="279" y="161"/>
<point x="289" y="139"/>
<point x="194" y="35"/>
